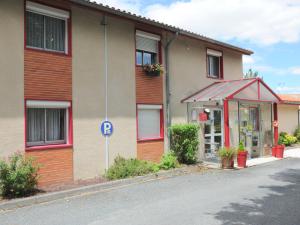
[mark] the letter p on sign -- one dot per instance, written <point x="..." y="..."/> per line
<point x="106" y="128"/>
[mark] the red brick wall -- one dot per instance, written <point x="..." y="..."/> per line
<point x="150" y="150"/>
<point x="56" y="165"/>
<point x="148" y="89"/>
<point x="47" y="76"/>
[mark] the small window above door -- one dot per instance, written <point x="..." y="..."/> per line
<point x="214" y="64"/>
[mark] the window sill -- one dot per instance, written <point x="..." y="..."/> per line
<point x="215" y="78"/>
<point x="46" y="147"/>
<point x="47" y="51"/>
<point x="151" y="139"/>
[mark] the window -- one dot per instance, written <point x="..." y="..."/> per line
<point x="146" y="48"/>
<point x="47" y="123"/>
<point x="214" y="64"/>
<point x="150" y="125"/>
<point x="46" y="27"/>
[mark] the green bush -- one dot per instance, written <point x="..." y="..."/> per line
<point x="227" y="153"/>
<point x="286" y="139"/>
<point x="18" y="176"/>
<point x="297" y="134"/>
<point x="184" y="142"/>
<point x="168" y="161"/>
<point x="123" y="168"/>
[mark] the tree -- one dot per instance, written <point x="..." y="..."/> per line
<point x="251" y="74"/>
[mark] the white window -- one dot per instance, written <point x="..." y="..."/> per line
<point x="47" y="123"/>
<point x="150" y="122"/>
<point x="146" y="48"/>
<point x="46" y="27"/>
<point x="214" y="64"/>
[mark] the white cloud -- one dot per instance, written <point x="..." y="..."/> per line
<point x="263" y="22"/>
<point x="295" y="70"/>
<point x="249" y="60"/>
<point x="287" y="90"/>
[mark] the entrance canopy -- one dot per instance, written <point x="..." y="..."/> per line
<point x="253" y="89"/>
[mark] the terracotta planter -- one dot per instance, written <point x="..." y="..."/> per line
<point x="153" y="73"/>
<point x="242" y="159"/>
<point x="279" y="151"/>
<point x="227" y="163"/>
<point x="274" y="150"/>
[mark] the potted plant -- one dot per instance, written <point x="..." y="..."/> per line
<point x="153" y="69"/>
<point x="227" y="157"/>
<point x="242" y="155"/>
<point x="280" y="147"/>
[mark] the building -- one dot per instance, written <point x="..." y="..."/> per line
<point x="289" y="113"/>
<point x="67" y="65"/>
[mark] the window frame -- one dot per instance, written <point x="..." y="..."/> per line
<point x="218" y="54"/>
<point x="48" y="11"/>
<point x="153" y="36"/>
<point x="161" y="125"/>
<point x="143" y="52"/>
<point x="68" y="126"/>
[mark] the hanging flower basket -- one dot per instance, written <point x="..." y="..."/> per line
<point x="153" y="69"/>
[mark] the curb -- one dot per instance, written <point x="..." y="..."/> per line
<point x="48" y="197"/>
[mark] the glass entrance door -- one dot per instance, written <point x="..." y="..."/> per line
<point x="213" y="134"/>
<point x="250" y="128"/>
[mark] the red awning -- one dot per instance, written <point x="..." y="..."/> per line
<point x="253" y="89"/>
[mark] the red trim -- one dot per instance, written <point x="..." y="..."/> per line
<point x="221" y="75"/>
<point x="161" y="124"/>
<point x="251" y="100"/>
<point x="69" y="30"/>
<point x="242" y="88"/>
<point x="258" y="89"/>
<point x="70" y="128"/>
<point x="275" y="110"/>
<point x="266" y="86"/>
<point x="226" y="124"/>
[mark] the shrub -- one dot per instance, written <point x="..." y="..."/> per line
<point x="241" y="147"/>
<point x="227" y="153"/>
<point x="297" y="134"/>
<point x="18" y="176"/>
<point x="168" y="161"/>
<point x="123" y="168"/>
<point x="184" y="142"/>
<point x="286" y="139"/>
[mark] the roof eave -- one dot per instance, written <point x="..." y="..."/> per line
<point x="128" y="15"/>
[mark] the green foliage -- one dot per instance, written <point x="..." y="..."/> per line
<point x="18" y="176"/>
<point x="297" y="134"/>
<point x="241" y="147"/>
<point x="168" y="161"/>
<point x="184" y="142"/>
<point x="286" y="139"/>
<point x="251" y="74"/>
<point x="123" y="168"/>
<point x="227" y="153"/>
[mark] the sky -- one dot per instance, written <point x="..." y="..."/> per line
<point x="270" y="28"/>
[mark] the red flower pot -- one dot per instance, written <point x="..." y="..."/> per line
<point x="274" y="150"/>
<point x="279" y="151"/>
<point x="242" y="159"/>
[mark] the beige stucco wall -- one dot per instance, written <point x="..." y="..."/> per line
<point x="89" y="91"/>
<point x="188" y="72"/>
<point x="11" y="77"/>
<point x="288" y="118"/>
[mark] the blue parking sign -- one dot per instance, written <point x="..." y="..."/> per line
<point x="106" y="128"/>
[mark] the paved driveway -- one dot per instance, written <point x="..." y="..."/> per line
<point x="261" y="195"/>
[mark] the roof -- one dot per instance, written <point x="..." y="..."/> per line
<point x="290" y="98"/>
<point x="138" y="18"/>
<point x="253" y="89"/>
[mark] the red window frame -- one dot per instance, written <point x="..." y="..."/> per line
<point x="50" y="146"/>
<point x="161" y="137"/>
<point x="69" y="31"/>
<point x="221" y="75"/>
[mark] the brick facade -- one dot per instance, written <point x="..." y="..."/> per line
<point x="56" y="165"/>
<point x="150" y="150"/>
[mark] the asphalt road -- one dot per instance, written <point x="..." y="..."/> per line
<point x="261" y="195"/>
